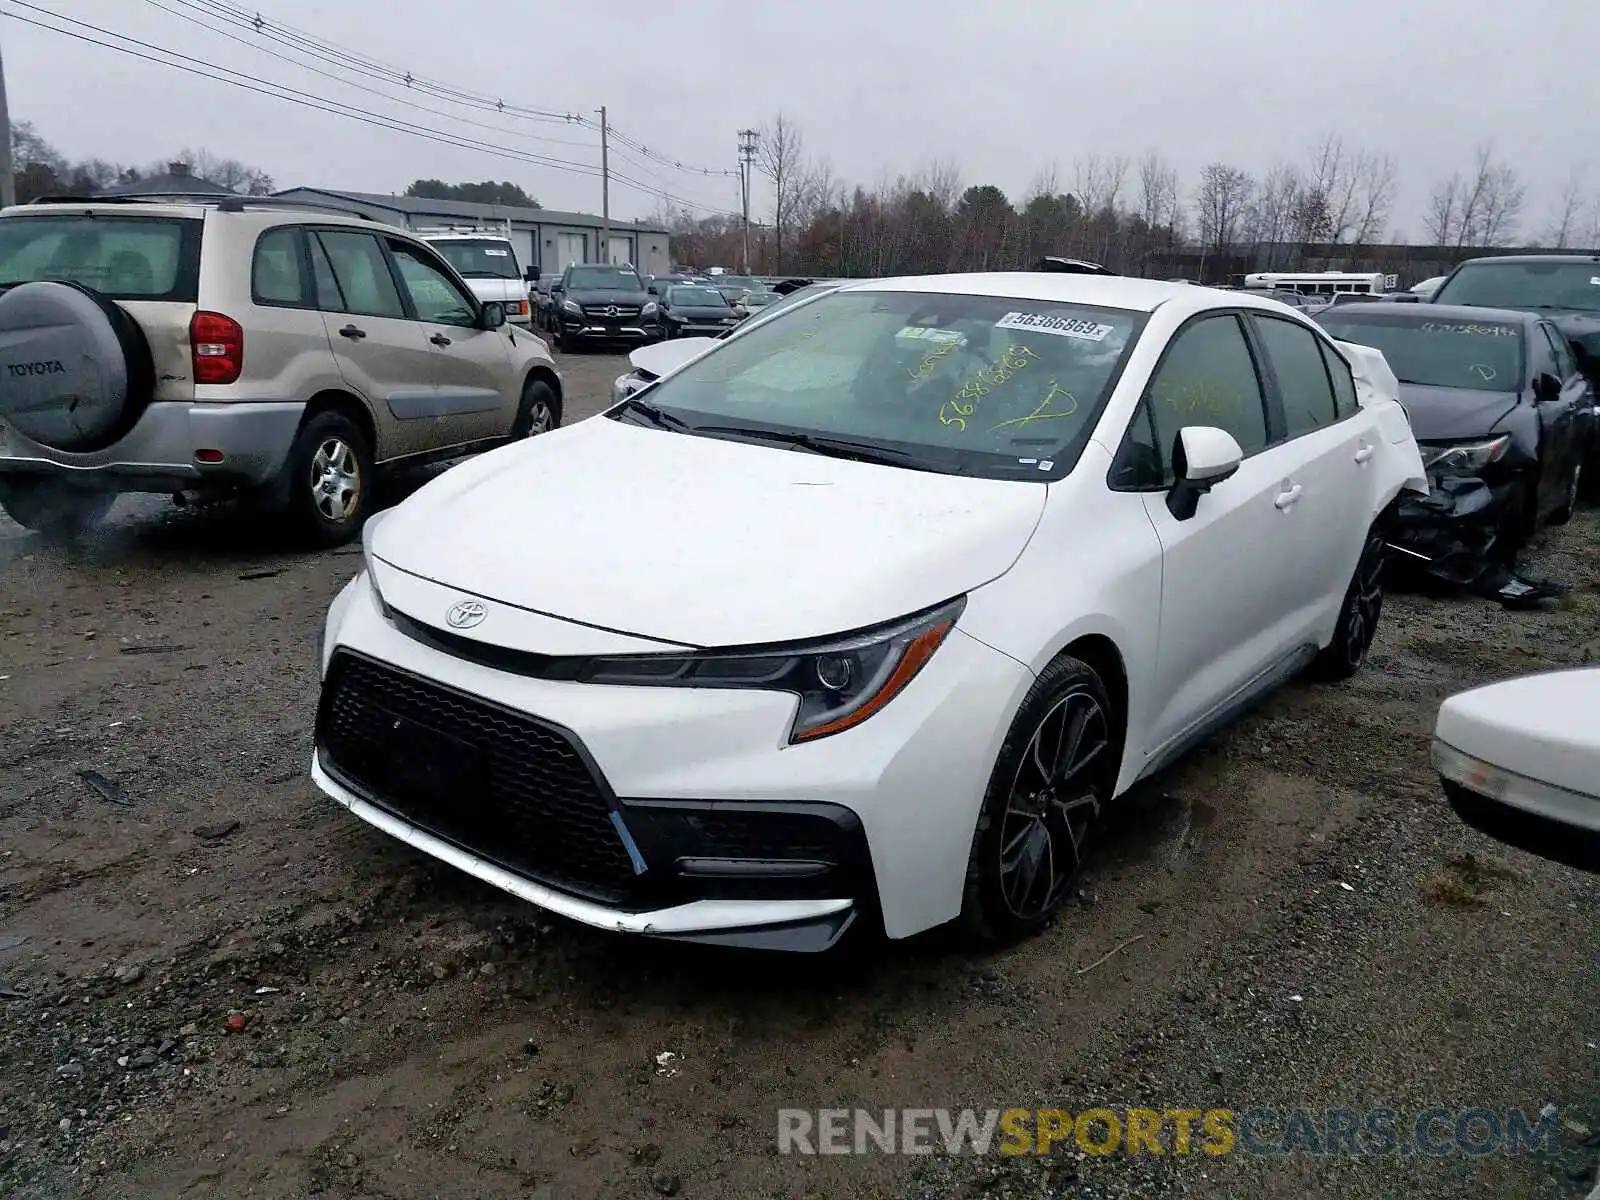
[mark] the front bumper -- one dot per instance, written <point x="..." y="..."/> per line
<point x="159" y="453"/>
<point x="1458" y="526"/>
<point x="691" y="817"/>
<point x="601" y="329"/>
<point x="700" y="328"/>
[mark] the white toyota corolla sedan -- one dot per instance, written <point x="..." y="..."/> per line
<point x="869" y="611"/>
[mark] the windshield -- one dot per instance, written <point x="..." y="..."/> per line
<point x="603" y="278"/>
<point x="966" y="384"/>
<point x="1484" y="357"/>
<point x="123" y="258"/>
<point x="1574" y="285"/>
<point x="759" y="299"/>
<point x="489" y="259"/>
<point x="693" y="297"/>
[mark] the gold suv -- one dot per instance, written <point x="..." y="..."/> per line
<point x="253" y="348"/>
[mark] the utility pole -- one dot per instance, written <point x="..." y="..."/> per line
<point x="8" y="182"/>
<point x="605" y="193"/>
<point x="747" y="156"/>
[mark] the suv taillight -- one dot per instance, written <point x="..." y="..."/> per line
<point x="217" y="344"/>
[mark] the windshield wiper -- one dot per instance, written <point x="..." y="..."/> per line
<point x="656" y="416"/>
<point x="833" y="447"/>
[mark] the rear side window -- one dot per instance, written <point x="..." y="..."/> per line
<point x="123" y="258"/>
<point x="276" y="277"/>
<point x="1345" y="403"/>
<point x="362" y="272"/>
<point x="1301" y="372"/>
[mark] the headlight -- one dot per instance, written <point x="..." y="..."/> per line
<point x="367" y="532"/>
<point x="571" y="306"/>
<point x="649" y="310"/>
<point x="840" y="683"/>
<point x="1464" y="458"/>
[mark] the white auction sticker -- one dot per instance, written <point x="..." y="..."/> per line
<point x="493" y="253"/>
<point x="1072" y="327"/>
<point x="926" y="333"/>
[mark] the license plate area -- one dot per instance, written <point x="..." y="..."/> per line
<point x="431" y="771"/>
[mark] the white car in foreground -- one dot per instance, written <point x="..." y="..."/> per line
<point x="1520" y="761"/>
<point x="869" y="611"/>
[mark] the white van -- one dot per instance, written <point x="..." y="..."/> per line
<point x="486" y="259"/>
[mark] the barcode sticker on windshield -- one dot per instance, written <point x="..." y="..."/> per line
<point x="1595" y="280"/>
<point x="493" y="253"/>
<point x="1072" y="327"/>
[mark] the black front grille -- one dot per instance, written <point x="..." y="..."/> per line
<point x="503" y="785"/>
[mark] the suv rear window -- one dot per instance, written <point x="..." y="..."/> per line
<point x="123" y="258"/>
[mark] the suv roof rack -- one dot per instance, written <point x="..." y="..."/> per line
<point x="231" y="204"/>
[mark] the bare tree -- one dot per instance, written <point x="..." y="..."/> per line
<point x="1099" y="181"/>
<point x="1271" y="220"/>
<point x="1220" y="203"/>
<point x="1158" y="191"/>
<point x="1500" y="211"/>
<point x="1375" y="179"/>
<point x="1444" y="211"/>
<point x="1567" y="219"/>
<point x="229" y="172"/>
<point x="780" y="157"/>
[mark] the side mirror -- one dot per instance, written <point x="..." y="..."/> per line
<point x="1546" y="387"/>
<point x="1202" y="457"/>
<point x="493" y="315"/>
<point x="531" y="274"/>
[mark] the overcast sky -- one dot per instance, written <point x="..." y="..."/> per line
<point x="878" y="87"/>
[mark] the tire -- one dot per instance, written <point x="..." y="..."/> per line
<point x="1359" y="614"/>
<point x="1041" y="813"/>
<point x="328" y="480"/>
<point x="1574" y="491"/>
<point x="77" y="369"/>
<point x="51" y="508"/>
<point x="539" y="412"/>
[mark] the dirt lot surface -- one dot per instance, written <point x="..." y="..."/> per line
<point x="217" y="983"/>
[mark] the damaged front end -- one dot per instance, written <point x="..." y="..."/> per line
<point x="1466" y="531"/>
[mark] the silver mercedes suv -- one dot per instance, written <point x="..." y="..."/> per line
<point x="241" y="348"/>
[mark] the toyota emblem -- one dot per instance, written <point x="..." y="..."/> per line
<point x="466" y="614"/>
<point x="612" y="311"/>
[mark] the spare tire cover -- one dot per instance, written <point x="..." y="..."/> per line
<point x="69" y="367"/>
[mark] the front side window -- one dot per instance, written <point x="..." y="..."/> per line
<point x="1537" y="285"/>
<point x="1565" y="365"/>
<point x="122" y="258"/>
<point x="969" y="384"/>
<point x="1208" y="377"/>
<point x="1480" y="356"/>
<point x="490" y="258"/>
<point x="434" y="295"/>
<point x="1301" y="373"/>
<point x="584" y="279"/>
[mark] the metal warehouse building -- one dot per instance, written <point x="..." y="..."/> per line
<point x="542" y="237"/>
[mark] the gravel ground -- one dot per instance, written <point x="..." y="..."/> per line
<point x="218" y="983"/>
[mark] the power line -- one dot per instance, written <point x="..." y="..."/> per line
<point x="323" y="104"/>
<point x="233" y="37"/>
<point x="343" y="57"/>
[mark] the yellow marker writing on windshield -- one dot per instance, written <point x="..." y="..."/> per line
<point x="1044" y="411"/>
<point x="1012" y="360"/>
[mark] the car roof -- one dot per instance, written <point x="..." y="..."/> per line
<point x="1438" y="312"/>
<point x="1529" y="258"/>
<point x="1109" y="291"/>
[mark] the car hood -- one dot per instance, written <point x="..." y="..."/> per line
<point x="500" y="290"/>
<point x="702" y="312"/>
<point x="1443" y="414"/>
<point x="703" y="542"/>
<point x="608" y="296"/>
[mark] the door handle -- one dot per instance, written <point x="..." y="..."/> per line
<point x="1288" y="499"/>
<point x="351" y="332"/>
<point x="1366" y="452"/>
<point x="439" y="339"/>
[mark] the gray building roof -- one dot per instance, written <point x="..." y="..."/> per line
<point x="419" y="206"/>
